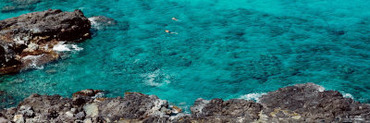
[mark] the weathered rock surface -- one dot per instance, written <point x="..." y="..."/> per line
<point x="299" y="103"/>
<point x="311" y="103"/>
<point x="28" y="40"/>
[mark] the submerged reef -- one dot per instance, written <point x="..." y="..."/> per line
<point x="18" y="5"/>
<point x="30" y="40"/>
<point x="298" y="103"/>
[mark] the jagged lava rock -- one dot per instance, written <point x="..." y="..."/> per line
<point x="313" y="104"/>
<point x="28" y="40"/>
<point x="132" y="107"/>
<point x="299" y="103"/>
<point x="218" y="110"/>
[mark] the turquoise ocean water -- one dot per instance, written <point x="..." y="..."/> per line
<point x="223" y="49"/>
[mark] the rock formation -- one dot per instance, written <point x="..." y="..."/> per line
<point x="298" y="103"/>
<point x="28" y="40"/>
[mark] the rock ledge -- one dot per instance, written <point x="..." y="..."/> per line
<point x="28" y="41"/>
<point x="298" y="103"/>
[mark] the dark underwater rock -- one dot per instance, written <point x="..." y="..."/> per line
<point x="5" y="97"/>
<point x="16" y="8"/>
<point x="132" y="107"/>
<point x="28" y="40"/>
<point x="299" y="103"/>
<point x="25" y="2"/>
<point x="18" y="5"/>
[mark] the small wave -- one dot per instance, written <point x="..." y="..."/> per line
<point x="347" y="95"/>
<point x="252" y="96"/>
<point x="62" y="47"/>
<point x="156" y="78"/>
<point x="93" y="21"/>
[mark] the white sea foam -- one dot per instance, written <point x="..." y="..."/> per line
<point x="156" y="78"/>
<point x="347" y="95"/>
<point x="76" y="48"/>
<point x="34" y="60"/>
<point x="252" y="96"/>
<point x="93" y="21"/>
<point x="62" y="47"/>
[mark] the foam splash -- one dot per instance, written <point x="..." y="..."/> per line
<point x="347" y="95"/>
<point x="93" y="21"/>
<point x="156" y="78"/>
<point x="63" y="47"/>
<point x="34" y="61"/>
<point x="252" y="96"/>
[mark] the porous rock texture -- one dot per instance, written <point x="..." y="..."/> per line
<point x="28" y="40"/>
<point x="298" y="103"/>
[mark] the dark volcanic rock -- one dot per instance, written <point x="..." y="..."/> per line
<point x="133" y="107"/>
<point x="28" y="40"/>
<point x="299" y="103"/>
<point x="5" y="97"/>
<point x="314" y="104"/>
<point x="234" y="110"/>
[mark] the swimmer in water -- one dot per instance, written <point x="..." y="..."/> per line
<point x="175" y="19"/>
<point x="169" y="32"/>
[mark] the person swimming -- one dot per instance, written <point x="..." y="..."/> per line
<point x="169" y="32"/>
<point x="175" y="19"/>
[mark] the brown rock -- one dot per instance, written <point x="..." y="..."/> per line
<point x="27" y="41"/>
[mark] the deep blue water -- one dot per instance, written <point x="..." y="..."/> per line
<point x="223" y="49"/>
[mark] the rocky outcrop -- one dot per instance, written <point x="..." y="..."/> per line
<point x="89" y="106"/>
<point x="28" y="40"/>
<point x="311" y="103"/>
<point x="218" y="110"/>
<point x="299" y="103"/>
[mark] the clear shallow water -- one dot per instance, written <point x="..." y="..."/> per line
<point x="224" y="49"/>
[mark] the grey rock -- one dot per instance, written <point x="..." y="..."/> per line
<point x="218" y="110"/>
<point x="313" y="104"/>
<point x="25" y="2"/>
<point x="80" y="115"/>
<point x="4" y="120"/>
<point x="299" y="103"/>
<point x="26" y="111"/>
<point x="31" y="37"/>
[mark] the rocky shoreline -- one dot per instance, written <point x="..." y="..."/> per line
<point x="299" y="103"/>
<point x="29" y="40"/>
